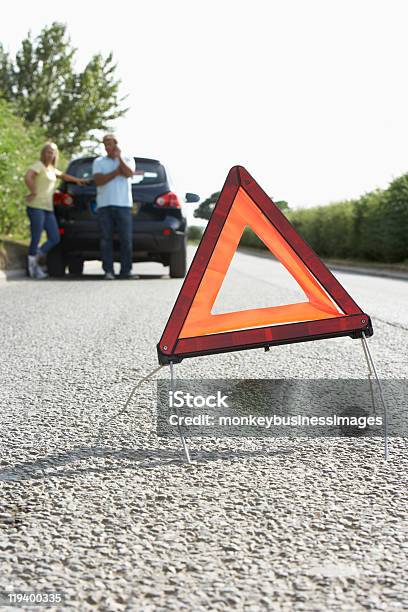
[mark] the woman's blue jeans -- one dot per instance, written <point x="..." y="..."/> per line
<point x="42" y="220"/>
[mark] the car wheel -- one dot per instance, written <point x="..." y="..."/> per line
<point x="75" y="266"/>
<point x="56" y="262"/>
<point x="178" y="263"/>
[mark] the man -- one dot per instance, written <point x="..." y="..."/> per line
<point x="112" y="175"/>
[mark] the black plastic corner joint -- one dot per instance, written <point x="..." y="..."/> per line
<point x="368" y="330"/>
<point x="167" y="359"/>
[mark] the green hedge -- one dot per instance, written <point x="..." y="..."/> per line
<point x="372" y="228"/>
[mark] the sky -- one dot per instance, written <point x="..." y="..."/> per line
<point x="310" y="96"/>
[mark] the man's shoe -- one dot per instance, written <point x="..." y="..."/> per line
<point x="128" y="276"/>
<point x="109" y="276"/>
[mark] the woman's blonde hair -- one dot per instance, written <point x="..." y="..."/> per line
<point x="54" y="147"/>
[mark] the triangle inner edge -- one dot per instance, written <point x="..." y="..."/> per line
<point x="242" y="213"/>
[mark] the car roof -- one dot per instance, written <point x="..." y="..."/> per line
<point x="92" y="157"/>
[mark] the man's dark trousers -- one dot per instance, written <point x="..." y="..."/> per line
<point x="117" y="218"/>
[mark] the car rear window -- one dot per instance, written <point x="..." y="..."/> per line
<point x="147" y="172"/>
<point x="81" y="168"/>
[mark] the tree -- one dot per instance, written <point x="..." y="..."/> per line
<point x="43" y="87"/>
<point x="204" y="210"/>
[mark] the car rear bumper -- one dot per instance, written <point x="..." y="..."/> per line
<point x="149" y="243"/>
<point x="83" y="239"/>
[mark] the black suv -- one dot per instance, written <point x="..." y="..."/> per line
<point x="159" y="228"/>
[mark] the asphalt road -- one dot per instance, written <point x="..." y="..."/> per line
<point x="112" y="517"/>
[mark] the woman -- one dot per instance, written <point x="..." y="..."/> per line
<point x="41" y="179"/>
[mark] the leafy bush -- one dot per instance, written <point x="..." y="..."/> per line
<point x="372" y="228"/>
<point x="251" y="240"/>
<point x="328" y="229"/>
<point x="194" y="232"/>
<point x="368" y="237"/>
<point x="19" y="147"/>
<point x="392" y="218"/>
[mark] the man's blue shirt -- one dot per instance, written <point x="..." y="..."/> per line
<point x="118" y="191"/>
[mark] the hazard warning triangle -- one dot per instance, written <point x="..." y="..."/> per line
<point x="192" y="330"/>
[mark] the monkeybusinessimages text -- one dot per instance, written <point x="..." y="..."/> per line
<point x="181" y="399"/>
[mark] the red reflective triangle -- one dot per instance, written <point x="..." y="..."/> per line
<point x="192" y="330"/>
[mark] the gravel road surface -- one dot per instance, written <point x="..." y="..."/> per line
<point x="112" y="517"/>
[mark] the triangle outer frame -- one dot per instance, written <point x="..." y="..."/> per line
<point x="353" y="323"/>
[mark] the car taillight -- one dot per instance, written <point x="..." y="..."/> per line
<point x="67" y="200"/>
<point x="168" y="200"/>
<point x="63" y="199"/>
<point x="57" y="198"/>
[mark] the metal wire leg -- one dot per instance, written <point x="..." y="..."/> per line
<point x="370" y="380"/>
<point x="182" y="438"/>
<point x="371" y="363"/>
<point x="129" y="399"/>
